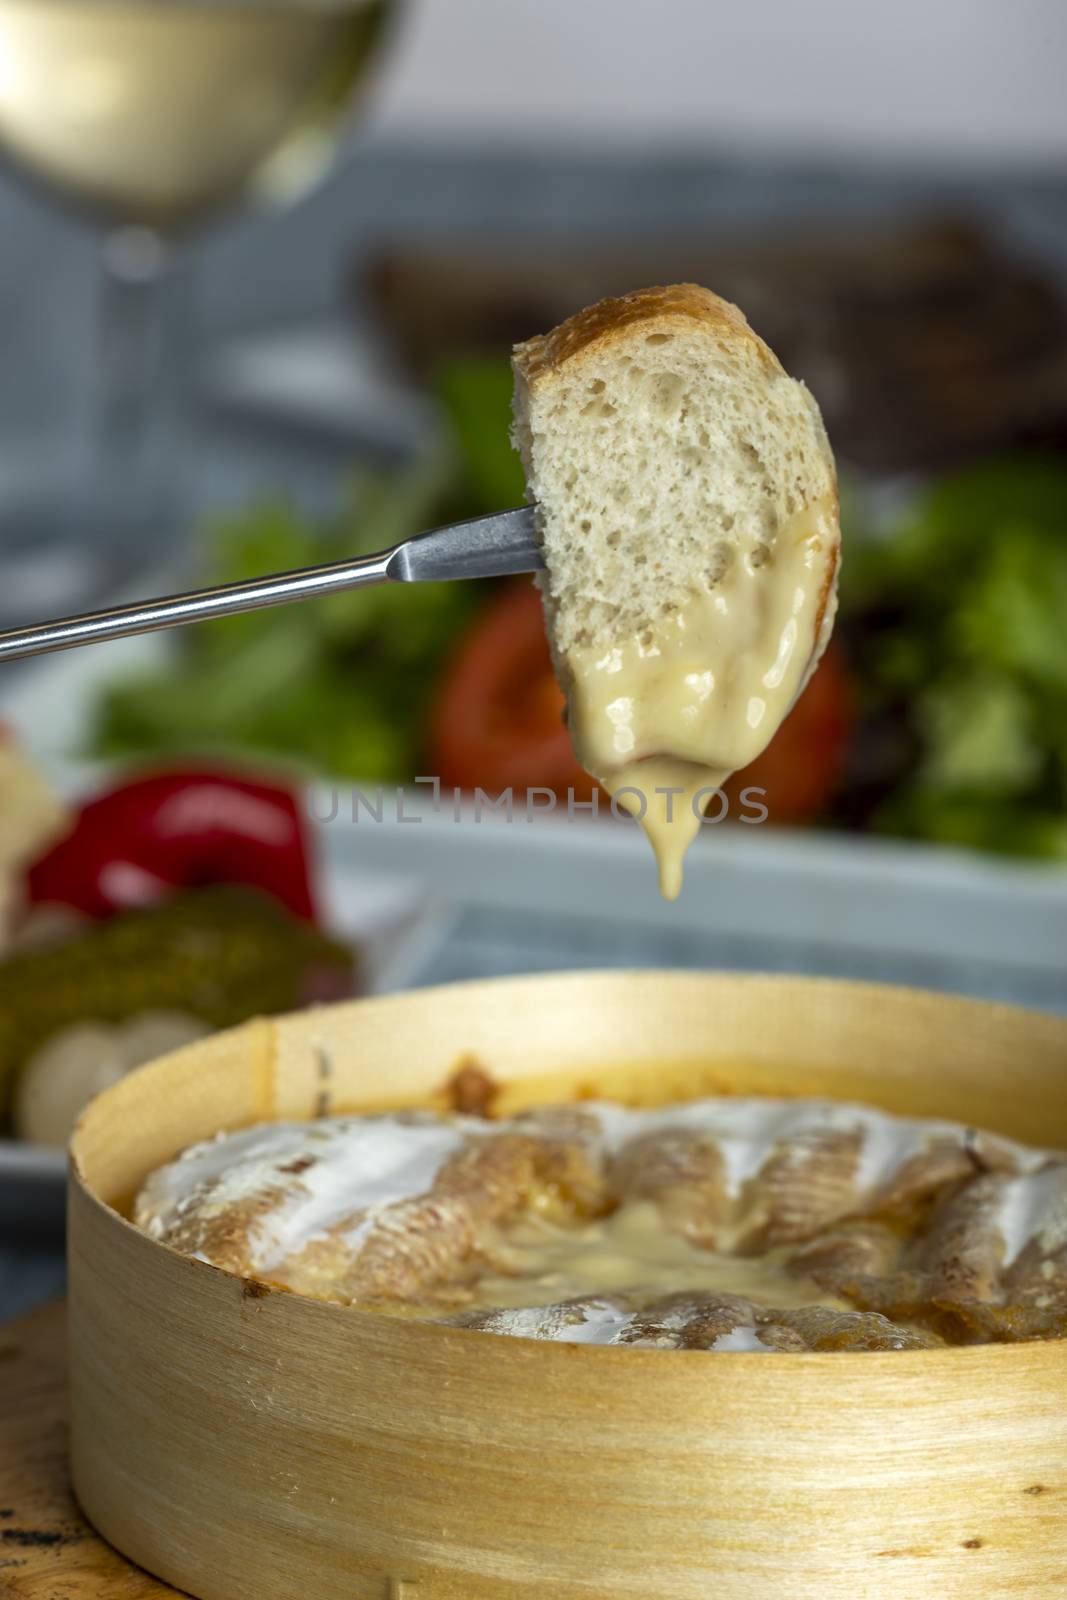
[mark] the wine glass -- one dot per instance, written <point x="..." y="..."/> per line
<point x="153" y="115"/>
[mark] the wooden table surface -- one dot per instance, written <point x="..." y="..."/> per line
<point x="47" y="1549"/>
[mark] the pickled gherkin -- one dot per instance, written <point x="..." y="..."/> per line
<point x="223" y="954"/>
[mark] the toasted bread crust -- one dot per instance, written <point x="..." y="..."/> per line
<point x="611" y="322"/>
<point x="824" y="618"/>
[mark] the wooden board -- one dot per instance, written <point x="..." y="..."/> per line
<point x="47" y="1549"/>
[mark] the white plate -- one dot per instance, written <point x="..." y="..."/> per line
<point x="481" y="895"/>
<point x="887" y="902"/>
<point x="784" y="887"/>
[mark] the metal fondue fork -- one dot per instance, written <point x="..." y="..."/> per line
<point x="484" y="547"/>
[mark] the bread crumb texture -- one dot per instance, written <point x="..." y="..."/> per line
<point x="662" y="442"/>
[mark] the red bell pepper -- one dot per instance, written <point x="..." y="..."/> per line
<point x="178" y="829"/>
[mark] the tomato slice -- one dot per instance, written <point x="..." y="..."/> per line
<point x="497" y="721"/>
<point x="801" y="766"/>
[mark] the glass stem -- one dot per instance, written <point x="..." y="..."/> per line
<point x="139" y="409"/>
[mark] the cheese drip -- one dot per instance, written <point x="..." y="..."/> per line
<point x="664" y="717"/>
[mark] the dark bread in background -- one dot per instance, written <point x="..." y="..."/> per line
<point x="922" y="343"/>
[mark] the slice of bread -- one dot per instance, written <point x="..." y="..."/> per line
<point x="662" y="440"/>
<point x="687" y="509"/>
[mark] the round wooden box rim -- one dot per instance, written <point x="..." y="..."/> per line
<point x="497" y="1346"/>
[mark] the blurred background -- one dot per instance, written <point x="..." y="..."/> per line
<point x="261" y="264"/>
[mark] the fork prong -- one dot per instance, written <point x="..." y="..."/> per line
<point x="483" y="547"/>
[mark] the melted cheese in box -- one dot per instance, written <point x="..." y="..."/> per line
<point x="721" y="1224"/>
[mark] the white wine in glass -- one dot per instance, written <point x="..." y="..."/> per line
<point x="152" y="111"/>
<point x="154" y="114"/>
